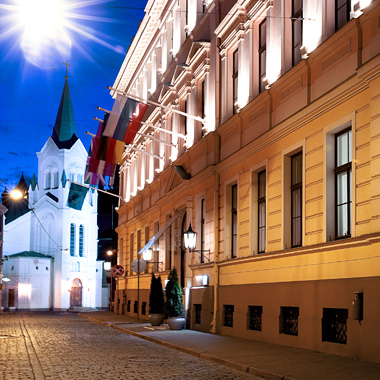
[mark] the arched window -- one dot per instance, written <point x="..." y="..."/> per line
<point x="77" y="266"/>
<point x="72" y="239"/>
<point x="55" y="179"/>
<point x="47" y="180"/>
<point x="81" y="240"/>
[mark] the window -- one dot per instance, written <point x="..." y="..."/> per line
<point x="203" y="100"/>
<point x="81" y="240"/>
<point x="233" y="221"/>
<point x="334" y="325"/>
<point x="297" y="30"/>
<point x="186" y="111"/>
<point x="55" y="180"/>
<point x="235" y="72"/>
<point x="296" y="199"/>
<point x="228" y="315"/>
<point x="146" y="241"/>
<point x="342" y="13"/>
<point x="168" y="247"/>
<point x="255" y="317"/>
<point x="289" y="320"/>
<point x="47" y="180"/>
<point x="131" y="248"/>
<point x="203" y="228"/>
<point x="72" y="239"/>
<point x="343" y="179"/>
<point x="156" y="249"/>
<point x="262" y="54"/>
<point x="261" y="208"/>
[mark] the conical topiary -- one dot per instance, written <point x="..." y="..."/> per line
<point x="156" y="296"/>
<point x="173" y="304"/>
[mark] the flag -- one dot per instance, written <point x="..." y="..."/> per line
<point x="92" y="178"/>
<point x="105" y="152"/>
<point x="77" y="194"/>
<point x="125" y="119"/>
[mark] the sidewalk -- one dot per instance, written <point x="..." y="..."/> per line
<point x="266" y="360"/>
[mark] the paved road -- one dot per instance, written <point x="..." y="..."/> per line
<point x="67" y="346"/>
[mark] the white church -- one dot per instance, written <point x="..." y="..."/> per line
<point x="50" y="250"/>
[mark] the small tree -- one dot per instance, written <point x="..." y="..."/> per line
<point x="156" y="296"/>
<point x="173" y="304"/>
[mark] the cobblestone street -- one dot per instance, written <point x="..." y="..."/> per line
<point x="67" y="346"/>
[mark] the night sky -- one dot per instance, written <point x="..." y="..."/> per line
<point x="32" y="75"/>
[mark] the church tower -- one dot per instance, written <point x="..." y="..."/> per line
<point x="63" y="235"/>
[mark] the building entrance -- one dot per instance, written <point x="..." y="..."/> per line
<point x="76" y="293"/>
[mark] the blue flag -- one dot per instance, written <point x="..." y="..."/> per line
<point x="77" y="194"/>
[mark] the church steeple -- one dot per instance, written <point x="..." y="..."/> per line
<point x="65" y="131"/>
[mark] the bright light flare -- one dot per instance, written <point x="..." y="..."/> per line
<point x="42" y="27"/>
<point x="41" y="18"/>
<point x="16" y="194"/>
<point x="45" y="29"/>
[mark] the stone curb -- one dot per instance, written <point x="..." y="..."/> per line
<point x="214" y="359"/>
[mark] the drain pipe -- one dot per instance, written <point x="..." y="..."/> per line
<point x="216" y="251"/>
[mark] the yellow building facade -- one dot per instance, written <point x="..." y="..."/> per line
<point x="280" y="179"/>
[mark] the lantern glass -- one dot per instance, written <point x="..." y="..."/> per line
<point x="147" y="255"/>
<point x="190" y="238"/>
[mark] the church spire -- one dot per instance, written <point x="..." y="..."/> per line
<point x="65" y="128"/>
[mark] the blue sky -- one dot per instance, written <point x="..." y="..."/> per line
<point x="31" y="84"/>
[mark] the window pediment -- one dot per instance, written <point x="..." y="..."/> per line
<point x="199" y="51"/>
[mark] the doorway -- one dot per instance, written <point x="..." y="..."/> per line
<point x="76" y="293"/>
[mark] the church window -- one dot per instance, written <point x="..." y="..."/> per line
<point x="72" y="239"/>
<point x="81" y="240"/>
<point x="47" y="180"/>
<point x="55" y="179"/>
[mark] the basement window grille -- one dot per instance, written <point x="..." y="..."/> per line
<point x="228" y="315"/>
<point x="289" y="320"/>
<point x="334" y="325"/>
<point x="255" y="317"/>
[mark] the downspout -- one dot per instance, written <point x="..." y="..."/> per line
<point x="216" y="190"/>
<point x="216" y="252"/>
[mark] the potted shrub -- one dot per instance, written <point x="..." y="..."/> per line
<point x="173" y="304"/>
<point x="156" y="301"/>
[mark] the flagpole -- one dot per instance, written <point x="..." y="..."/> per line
<point x="155" y="139"/>
<point x="157" y="104"/>
<point x="92" y="187"/>
<point x="180" y="135"/>
<point x="143" y="151"/>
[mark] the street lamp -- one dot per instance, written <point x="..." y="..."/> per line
<point x="190" y="240"/>
<point x="17" y="194"/>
